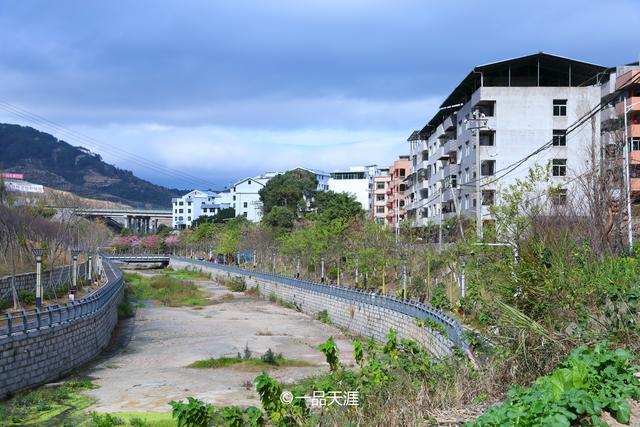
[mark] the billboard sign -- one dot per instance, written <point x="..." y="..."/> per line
<point x="11" y="175"/>
<point x="23" y="187"/>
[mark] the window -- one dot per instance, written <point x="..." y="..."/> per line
<point x="488" y="197"/>
<point x="559" y="197"/>
<point x="204" y="210"/>
<point x="403" y="172"/>
<point x="380" y="197"/>
<point x="234" y="198"/>
<point x="181" y="203"/>
<point x="380" y="209"/>
<point x="176" y="211"/>
<point x="245" y="204"/>
<point x="244" y="214"/>
<point x="180" y="210"/>
<point x="559" y="108"/>
<point x="559" y="138"/>
<point x="188" y="218"/>
<point x="188" y="210"/>
<point x="559" y="167"/>
<point x="487" y="139"/>
<point x="634" y="144"/>
<point x="249" y="182"/>
<point x="379" y="185"/>
<point x="188" y="203"/>
<point x="487" y="167"/>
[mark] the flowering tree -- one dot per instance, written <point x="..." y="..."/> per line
<point x="151" y="243"/>
<point x="171" y="242"/>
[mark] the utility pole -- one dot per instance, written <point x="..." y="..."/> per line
<point x="627" y="184"/>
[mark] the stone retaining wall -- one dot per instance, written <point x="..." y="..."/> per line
<point x="359" y="318"/>
<point x="47" y="354"/>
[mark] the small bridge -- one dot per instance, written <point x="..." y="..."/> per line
<point x="141" y="258"/>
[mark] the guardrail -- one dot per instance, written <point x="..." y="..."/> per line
<point x="138" y="258"/>
<point x="13" y="324"/>
<point x="408" y="307"/>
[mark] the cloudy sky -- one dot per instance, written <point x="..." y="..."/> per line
<point x="218" y="90"/>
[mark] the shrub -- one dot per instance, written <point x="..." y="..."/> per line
<point x="330" y="350"/>
<point x="237" y="284"/>
<point x="269" y="357"/>
<point x="106" y="420"/>
<point x="273" y="298"/>
<point x="323" y="316"/>
<point x="439" y="299"/>
<point x="27" y="297"/>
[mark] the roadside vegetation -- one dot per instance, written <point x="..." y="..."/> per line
<point x="166" y="290"/>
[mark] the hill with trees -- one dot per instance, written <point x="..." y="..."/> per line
<point x="46" y="160"/>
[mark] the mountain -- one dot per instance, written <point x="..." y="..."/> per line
<point x="43" y="159"/>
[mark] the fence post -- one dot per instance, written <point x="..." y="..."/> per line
<point x="50" y="313"/>
<point x="9" y="324"/>
<point x="24" y="320"/>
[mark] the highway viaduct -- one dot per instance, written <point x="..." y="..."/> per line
<point x="137" y="220"/>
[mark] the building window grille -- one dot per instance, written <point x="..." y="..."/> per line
<point x="560" y="108"/>
<point x="634" y="144"/>
<point x="488" y="167"/>
<point x="559" y="138"/>
<point x="380" y="197"/>
<point x="559" y="197"/>
<point x="559" y="167"/>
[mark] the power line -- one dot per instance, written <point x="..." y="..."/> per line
<point x="107" y="148"/>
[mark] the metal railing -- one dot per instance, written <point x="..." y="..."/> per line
<point x="52" y="315"/>
<point x="411" y="308"/>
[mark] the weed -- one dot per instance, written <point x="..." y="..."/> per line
<point x="254" y="291"/>
<point x="273" y="298"/>
<point x="323" y="316"/>
<point x="105" y="420"/>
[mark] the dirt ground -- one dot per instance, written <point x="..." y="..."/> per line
<point x="148" y="369"/>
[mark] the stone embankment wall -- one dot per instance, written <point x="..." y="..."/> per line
<point x="359" y="318"/>
<point x="47" y="353"/>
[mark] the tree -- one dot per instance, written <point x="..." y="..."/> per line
<point x="331" y="206"/>
<point x="294" y="189"/>
<point x="219" y="218"/>
<point x="280" y="217"/>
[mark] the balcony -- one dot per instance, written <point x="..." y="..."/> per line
<point x="633" y="104"/>
<point x="635" y="185"/>
<point x="626" y="77"/>
<point x="634" y="130"/>
<point x="634" y="157"/>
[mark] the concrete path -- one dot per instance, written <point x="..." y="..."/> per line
<point x="150" y="371"/>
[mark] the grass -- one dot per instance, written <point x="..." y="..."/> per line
<point x="167" y="290"/>
<point x="46" y="405"/>
<point x="252" y="363"/>
<point x="323" y="316"/>
<point x="254" y="292"/>
<point x="186" y="274"/>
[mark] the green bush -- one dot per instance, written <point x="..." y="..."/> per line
<point x="105" y="420"/>
<point x="27" y="297"/>
<point x="589" y="382"/>
<point x="269" y="357"/>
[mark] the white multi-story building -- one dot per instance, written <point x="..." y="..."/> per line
<point x="357" y="181"/>
<point x="524" y="103"/>
<point x="242" y="196"/>
<point x="189" y="207"/>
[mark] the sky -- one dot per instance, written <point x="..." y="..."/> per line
<point x="198" y="94"/>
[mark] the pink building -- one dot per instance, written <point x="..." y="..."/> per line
<point x="388" y="193"/>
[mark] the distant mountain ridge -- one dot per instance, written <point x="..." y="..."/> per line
<point x="44" y="159"/>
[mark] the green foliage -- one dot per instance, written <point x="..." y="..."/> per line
<point x="125" y="308"/>
<point x="280" y="414"/>
<point x="358" y="352"/>
<point x="440" y="300"/>
<point x="323" y="316"/>
<point x="269" y="357"/>
<point x="280" y="217"/>
<point x="27" y="297"/>
<point x="273" y="298"/>
<point x="331" y="352"/>
<point x="167" y="290"/>
<point x="291" y="190"/>
<point x="193" y="413"/>
<point x="234" y="284"/>
<point x="588" y="382"/>
<point x="106" y="420"/>
<point x="220" y="218"/>
<point x="337" y="206"/>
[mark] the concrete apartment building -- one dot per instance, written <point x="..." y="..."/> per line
<point x="522" y="104"/>
<point x="357" y="181"/>
<point x="381" y="184"/>
<point x="622" y="117"/>
<point x="389" y="193"/>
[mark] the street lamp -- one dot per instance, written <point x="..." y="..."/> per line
<point x="627" y="177"/>
<point x="297" y="267"/>
<point x="74" y="272"/>
<point x="38" y="252"/>
<point x="322" y="269"/>
<point x="357" y="262"/>
<point x="404" y="276"/>
<point x="255" y="258"/>
<point x="90" y="269"/>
